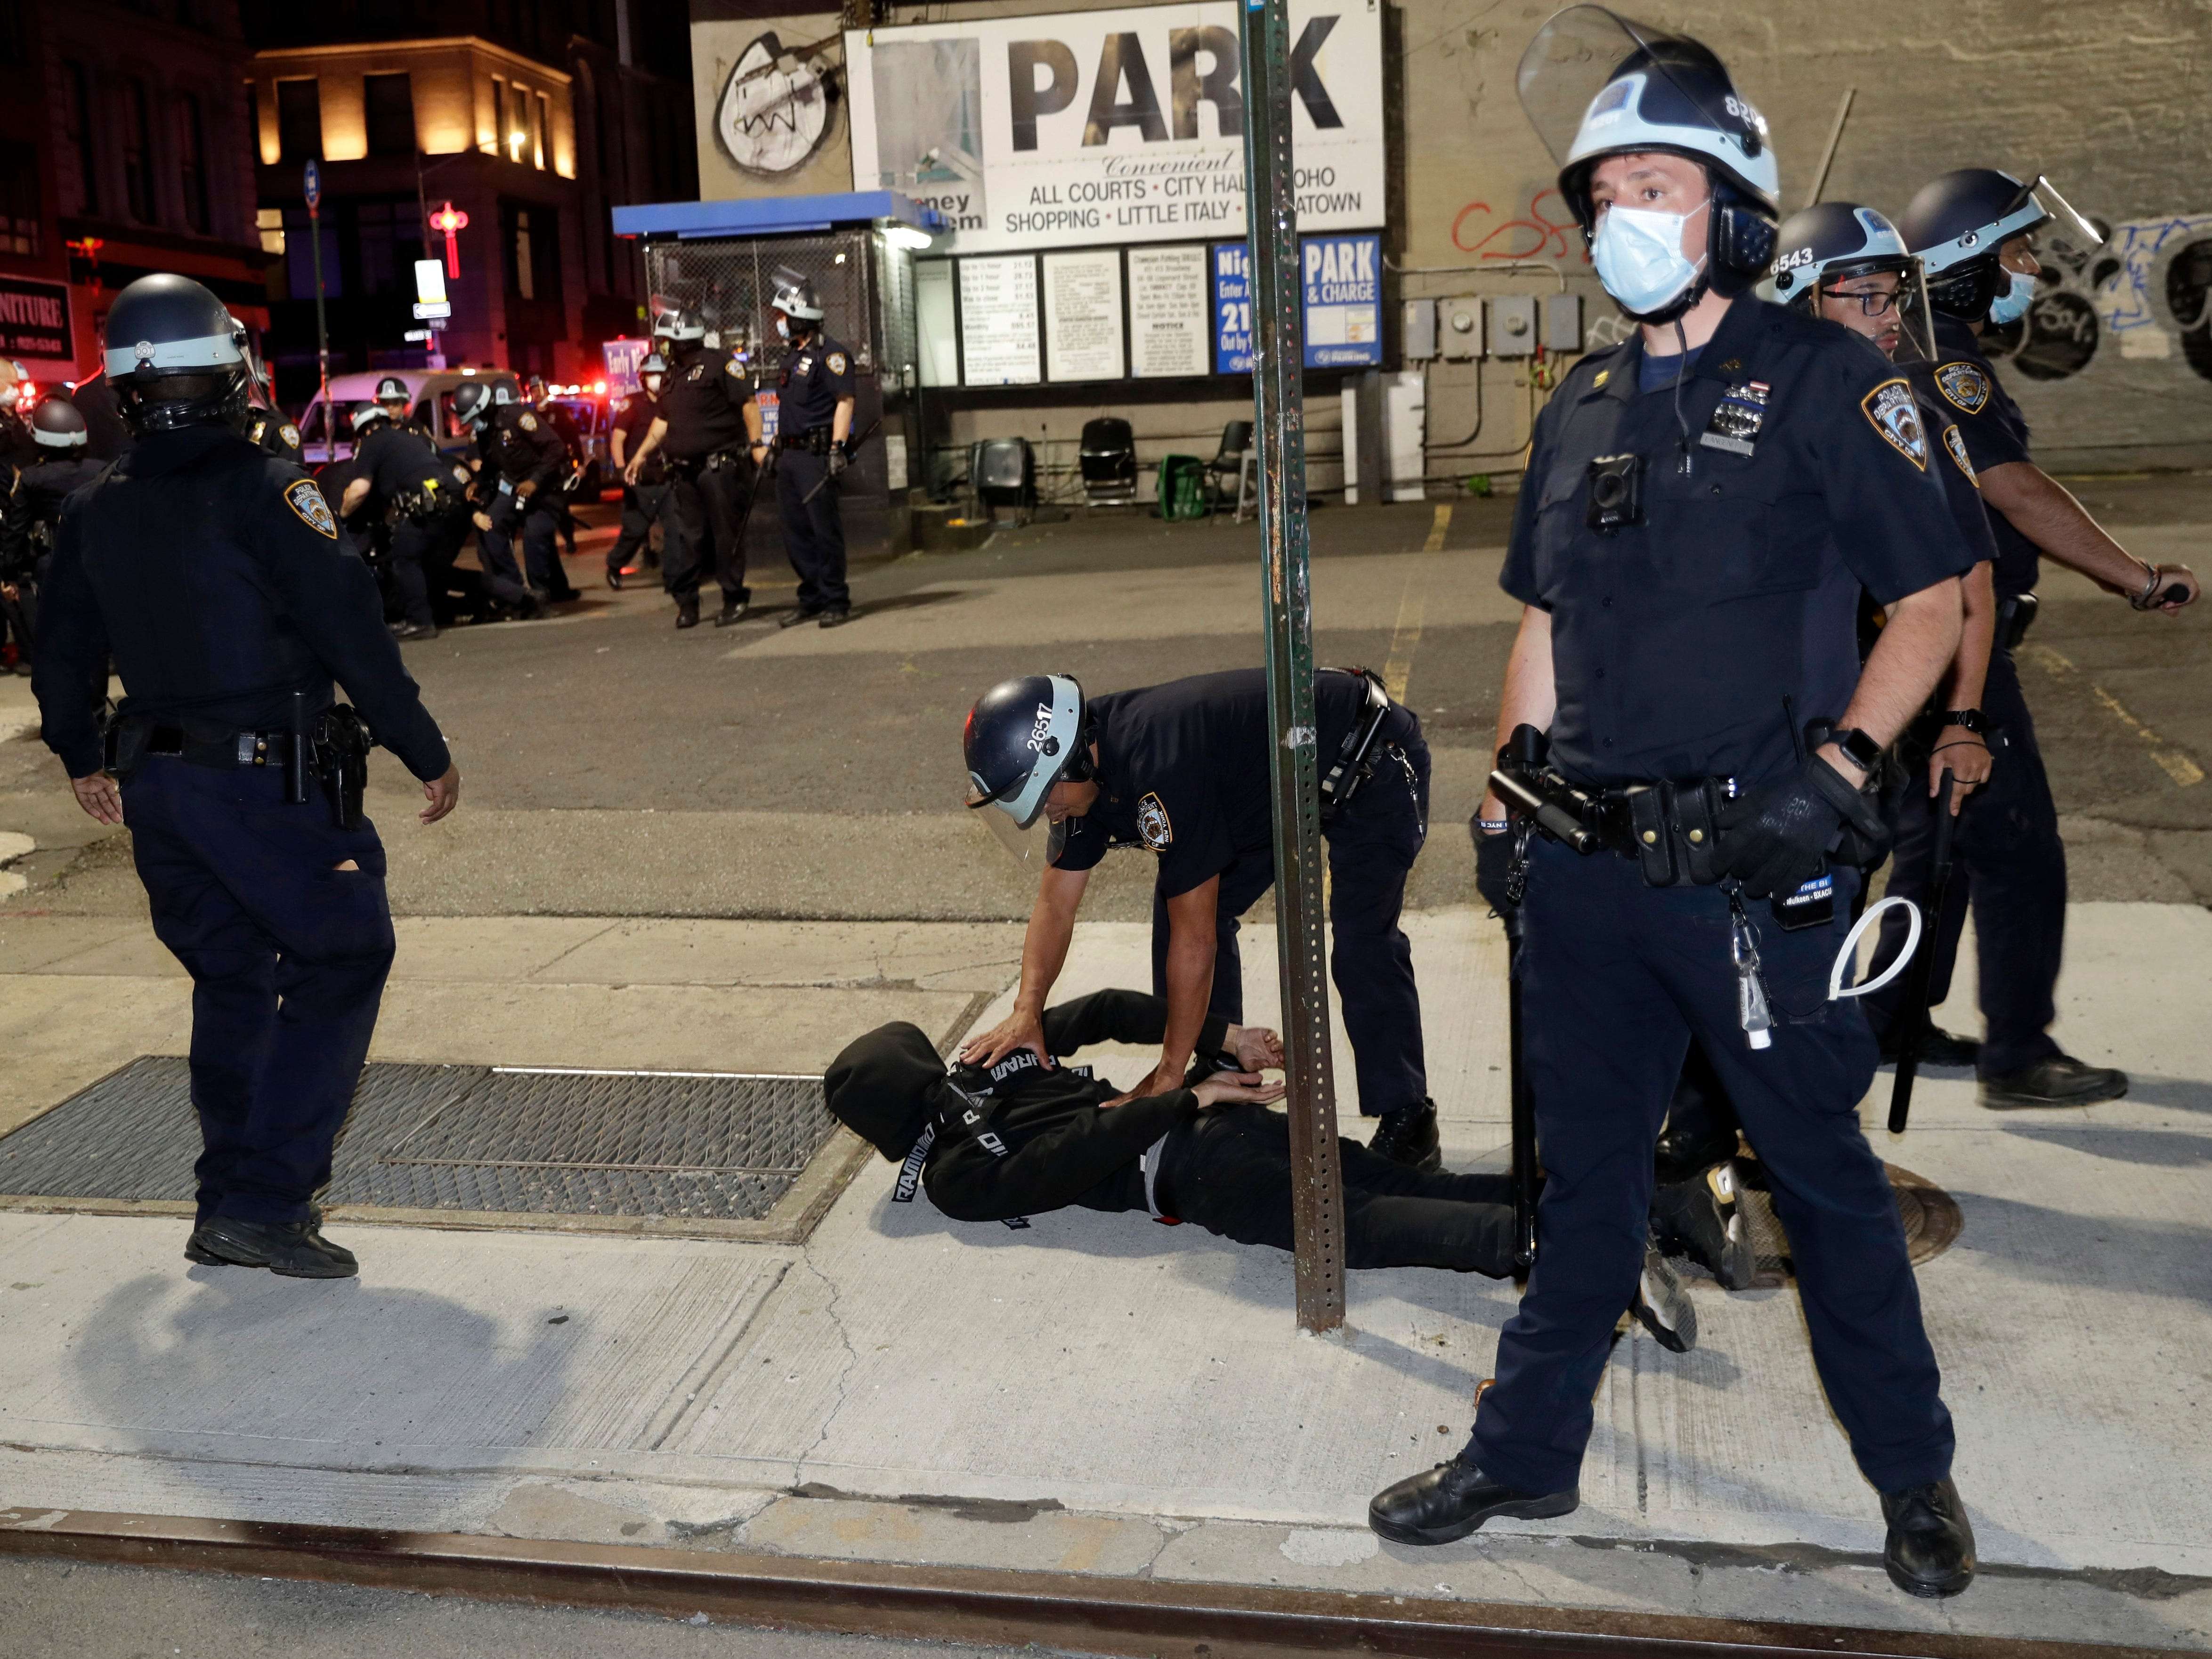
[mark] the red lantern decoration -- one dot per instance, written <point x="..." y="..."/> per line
<point x="451" y="221"/>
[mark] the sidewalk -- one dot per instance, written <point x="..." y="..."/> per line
<point x="1098" y="1395"/>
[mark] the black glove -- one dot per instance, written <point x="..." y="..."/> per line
<point x="839" y="460"/>
<point x="1493" y="861"/>
<point x="1775" y="841"/>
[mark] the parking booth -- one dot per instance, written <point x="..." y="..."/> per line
<point x="720" y="258"/>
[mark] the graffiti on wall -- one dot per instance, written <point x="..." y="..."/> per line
<point x="1544" y="230"/>
<point x="2146" y="291"/>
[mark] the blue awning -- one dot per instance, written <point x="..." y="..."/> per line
<point x="774" y="216"/>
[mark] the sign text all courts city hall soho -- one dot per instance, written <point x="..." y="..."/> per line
<point x="1112" y="126"/>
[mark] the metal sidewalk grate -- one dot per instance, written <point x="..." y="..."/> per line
<point x="652" y="1145"/>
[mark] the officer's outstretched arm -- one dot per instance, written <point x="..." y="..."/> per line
<point x="2044" y="511"/>
<point x="1044" y="950"/>
<point x="1192" y="942"/>
<point x="1531" y="696"/>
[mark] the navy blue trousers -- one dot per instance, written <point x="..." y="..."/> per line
<point x="287" y="956"/>
<point x="2010" y="866"/>
<point x="813" y="532"/>
<point x="1372" y="844"/>
<point x="538" y="527"/>
<point x="1617" y="978"/>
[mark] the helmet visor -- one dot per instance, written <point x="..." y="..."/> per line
<point x="1577" y="54"/>
<point x="2065" y="230"/>
<point x="1035" y="843"/>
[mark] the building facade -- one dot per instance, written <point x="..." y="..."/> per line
<point x="531" y="122"/>
<point x="123" y="150"/>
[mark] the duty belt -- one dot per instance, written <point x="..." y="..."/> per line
<point x="815" y="440"/>
<point x="233" y="749"/>
<point x="2015" y="616"/>
<point x="1670" y="829"/>
<point x="1355" y="761"/>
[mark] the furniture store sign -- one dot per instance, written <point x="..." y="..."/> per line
<point x="1112" y="126"/>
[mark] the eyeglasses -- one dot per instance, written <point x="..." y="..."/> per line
<point x="1873" y="304"/>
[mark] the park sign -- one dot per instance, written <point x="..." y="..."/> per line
<point x="1119" y="126"/>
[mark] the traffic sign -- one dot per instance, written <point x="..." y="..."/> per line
<point x="441" y="308"/>
<point x="313" y="185"/>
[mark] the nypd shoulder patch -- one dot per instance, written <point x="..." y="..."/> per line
<point x="1152" y="826"/>
<point x="305" y="498"/>
<point x="528" y="422"/>
<point x="1890" y="411"/>
<point x="836" y="362"/>
<point x="1956" y="445"/>
<point x="291" y="435"/>
<point x="1964" y="385"/>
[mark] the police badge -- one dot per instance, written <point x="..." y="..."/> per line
<point x="305" y="499"/>
<point x="1890" y="409"/>
<point x="1964" y="385"/>
<point x="1152" y="826"/>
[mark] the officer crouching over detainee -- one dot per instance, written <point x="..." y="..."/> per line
<point x="1008" y="1141"/>
<point x="231" y="599"/>
<point x="1181" y="770"/>
<point x="1703" y="505"/>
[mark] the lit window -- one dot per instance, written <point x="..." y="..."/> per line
<point x="270" y="221"/>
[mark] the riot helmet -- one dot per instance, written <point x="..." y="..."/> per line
<point x="56" y="423"/>
<point x="1595" y="84"/>
<point x="1959" y="225"/>
<point x="653" y="373"/>
<point x="368" y="416"/>
<point x="174" y="356"/>
<point x="679" y="325"/>
<point x="501" y="392"/>
<point x="1821" y="247"/>
<point x="472" y="402"/>
<point x="393" y="390"/>
<point x="796" y="298"/>
<point x="1023" y="737"/>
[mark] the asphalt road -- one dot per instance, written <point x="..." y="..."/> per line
<point x="58" y="1610"/>
<point x="615" y="766"/>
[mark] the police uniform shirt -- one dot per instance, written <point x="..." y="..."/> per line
<point x="812" y="383"/>
<point x="1183" y="771"/>
<point x="524" y="448"/>
<point x="634" y="420"/>
<point x="1962" y="486"/>
<point x="397" y="463"/>
<point x="1964" y="385"/>
<point x="1675" y="642"/>
<point x="703" y="400"/>
<point x="272" y="434"/>
<point x="222" y="582"/>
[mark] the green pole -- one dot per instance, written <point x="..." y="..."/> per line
<point x="1279" y="400"/>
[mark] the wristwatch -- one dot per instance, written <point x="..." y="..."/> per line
<point x="1970" y="718"/>
<point x="1860" y="750"/>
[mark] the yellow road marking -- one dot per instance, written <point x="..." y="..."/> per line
<point x="1443" y="522"/>
<point x="1405" y="635"/>
<point x="2185" y="772"/>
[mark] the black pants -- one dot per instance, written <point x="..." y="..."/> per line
<point x="512" y="517"/>
<point x="700" y="519"/>
<point x="1372" y="844"/>
<point x="2011" y="868"/>
<point x="22" y="615"/>
<point x="288" y="955"/>
<point x="1617" y="979"/>
<point x="813" y="532"/>
<point x="640" y="506"/>
<point x="1230" y="1173"/>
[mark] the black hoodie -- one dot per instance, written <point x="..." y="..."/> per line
<point x="1062" y="1146"/>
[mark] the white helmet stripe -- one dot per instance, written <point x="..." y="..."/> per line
<point x="1987" y="240"/>
<point x="209" y="351"/>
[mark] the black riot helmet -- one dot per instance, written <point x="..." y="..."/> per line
<point x="652" y="374"/>
<point x="796" y="298"/>
<point x="174" y="357"/>
<point x="1960" y="223"/>
<point x="1595" y="84"/>
<point x="368" y="416"/>
<point x="1022" y="737"/>
<point x="679" y="326"/>
<point x="1833" y="242"/>
<point x="55" y="423"/>
<point x="472" y="402"/>
<point x="392" y="389"/>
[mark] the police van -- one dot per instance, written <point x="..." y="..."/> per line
<point x="326" y="429"/>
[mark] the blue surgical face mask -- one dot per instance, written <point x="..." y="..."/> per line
<point x="1638" y="255"/>
<point x="783" y="327"/>
<point x="2012" y="305"/>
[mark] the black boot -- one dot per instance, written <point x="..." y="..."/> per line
<point x="1930" y="1550"/>
<point x="2061" y="1080"/>
<point x="293" y="1249"/>
<point x="687" y="612"/>
<point x="732" y="611"/>
<point x="1701" y="1219"/>
<point x="1937" y="1048"/>
<point x="1408" y="1136"/>
<point x="1451" y="1500"/>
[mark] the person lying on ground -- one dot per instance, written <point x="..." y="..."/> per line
<point x="1008" y="1141"/>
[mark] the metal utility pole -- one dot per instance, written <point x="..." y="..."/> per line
<point x="1278" y="399"/>
<point x="314" y="191"/>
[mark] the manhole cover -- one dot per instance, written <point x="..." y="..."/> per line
<point x="670" y="1152"/>
<point x="1930" y="1215"/>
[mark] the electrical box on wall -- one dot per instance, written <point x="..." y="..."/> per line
<point x="1458" y="324"/>
<point x="1513" y="325"/>
<point x="1418" y="330"/>
<point x="1562" y="322"/>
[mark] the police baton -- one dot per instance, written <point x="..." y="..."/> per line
<point x="1523" y="1105"/>
<point x="775" y="447"/>
<point x="1913" y="1023"/>
<point x="852" y="445"/>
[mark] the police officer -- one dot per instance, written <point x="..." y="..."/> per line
<point x="520" y="461"/>
<point x="229" y="629"/>
<point x="642" y="501"/>
<point x="705" y="430"/>
<point x="422" y="497"/>
<point x="556" y="414"/>
<point x="34" y="509"/>
<point x="1702" y="506"/>
<point x="394" y="399"/>
<point x="814" y="430"/>
<point x="1975" y="229"/>
<point x="267" y="429"/>
<point x="1181" y="770"/>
